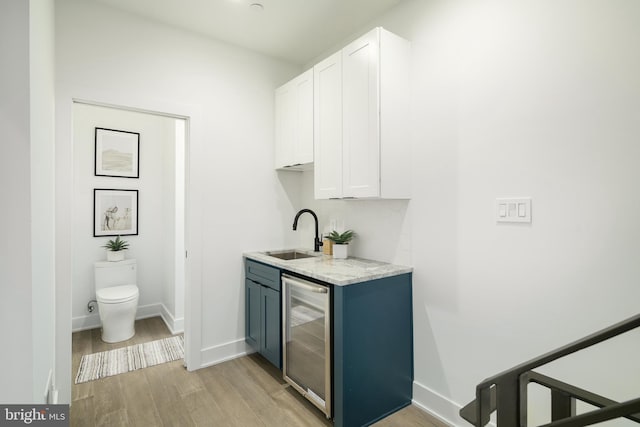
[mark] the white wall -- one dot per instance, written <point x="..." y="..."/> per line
<point x="156" y="207"/>
<point x="526" y="98"/>
<point x="26" y="169"/>
<point x="42" y="130"/>
<point x="16" y="303"/>
<point x="235" y="199"/>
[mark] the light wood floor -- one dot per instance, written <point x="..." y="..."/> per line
<point x="243" y="392"/>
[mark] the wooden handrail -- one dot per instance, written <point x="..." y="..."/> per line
<point x="506" y="392"/>
<point x="595" y="338"/>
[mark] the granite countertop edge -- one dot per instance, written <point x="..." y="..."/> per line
<point x="340" y="272"/>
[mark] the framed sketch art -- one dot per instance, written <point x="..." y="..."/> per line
<point x="115" y="212"/>
<point x="117" y="153"/>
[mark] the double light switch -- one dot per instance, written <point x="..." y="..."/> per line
<point x="513" y="210"/>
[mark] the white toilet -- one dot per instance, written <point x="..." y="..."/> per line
<point x="117" y="296"/>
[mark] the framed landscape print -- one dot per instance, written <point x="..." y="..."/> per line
<point x="117" y="153"/>
<point x="115" y="212"/>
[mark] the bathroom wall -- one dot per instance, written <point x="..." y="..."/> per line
<point x="154" y="246"/>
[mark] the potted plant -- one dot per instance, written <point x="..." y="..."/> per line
<point x="341" y="242"/>
<point x="115" y="249"/>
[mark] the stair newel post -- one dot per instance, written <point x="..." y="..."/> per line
<point x="483" y="407"/>
<point x="508" y="401"/>
<point x="524" y="381"/>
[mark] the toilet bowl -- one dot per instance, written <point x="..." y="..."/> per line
<point x="117" y="296"/>
<point x="117" y="307"/>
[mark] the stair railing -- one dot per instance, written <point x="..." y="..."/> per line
<point x="506" y="392"/>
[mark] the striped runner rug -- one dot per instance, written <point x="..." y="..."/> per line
<point x="120" y="360"/>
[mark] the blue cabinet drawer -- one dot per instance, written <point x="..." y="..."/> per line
<point x="263" y="274"/>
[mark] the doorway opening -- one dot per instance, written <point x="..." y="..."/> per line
<point x="159" y="242"/>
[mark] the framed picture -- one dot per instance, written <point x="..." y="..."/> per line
<point x="115" y="212"/>
<point x="117" y="153"/>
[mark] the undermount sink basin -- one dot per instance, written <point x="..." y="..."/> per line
<point x="289" y="255"/>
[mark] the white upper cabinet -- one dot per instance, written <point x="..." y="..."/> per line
<point x="362" y="149"/>
<point x="327" y="131"/>
<point x="361" y="117"/>
<point x="294" y="123"/>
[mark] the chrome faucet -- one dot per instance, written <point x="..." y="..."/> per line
<point x="316" y="243"/>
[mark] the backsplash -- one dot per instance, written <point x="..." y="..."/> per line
<point x="383" y="227"/>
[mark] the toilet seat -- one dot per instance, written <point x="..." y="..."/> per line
<point x="117" y="294"/>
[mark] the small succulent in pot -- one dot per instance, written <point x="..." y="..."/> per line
<point x="341" y="242"/>
<point x="116" y="245"/>
<point x="341" y="238"/>
<point x="115" y="249"/>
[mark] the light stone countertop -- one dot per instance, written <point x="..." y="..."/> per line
<point x="338" y="272"/>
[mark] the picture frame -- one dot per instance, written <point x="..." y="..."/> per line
<point x="117" y="153"/>
<point x="115" y="212"/>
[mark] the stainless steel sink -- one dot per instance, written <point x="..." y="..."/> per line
<point x="289" y="255"/>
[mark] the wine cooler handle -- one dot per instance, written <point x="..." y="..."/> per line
<point x="313" y="288"/>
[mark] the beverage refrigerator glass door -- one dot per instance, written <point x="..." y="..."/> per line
<point x="306" y="344"/>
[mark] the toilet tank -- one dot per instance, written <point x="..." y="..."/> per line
<point x="109" y="274"/>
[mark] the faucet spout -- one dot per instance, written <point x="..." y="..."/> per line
<point x="316" y="242"/>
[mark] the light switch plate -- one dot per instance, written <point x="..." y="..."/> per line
<point x="513" y="209"/>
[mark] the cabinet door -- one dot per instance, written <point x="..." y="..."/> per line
<point x="327" y="132"/>
<point x="294" y="122"/>
<point x="285" y="125"/>
<point x="271" y="347"/>
<point x="361" y="116"/>
<point x="303" y="135"/>
<point x="253" y="322"/>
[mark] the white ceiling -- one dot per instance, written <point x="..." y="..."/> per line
<point x="294" y="30"/>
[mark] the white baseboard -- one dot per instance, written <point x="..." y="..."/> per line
<point x="175" y="325"/>
<point x="441" y="407"/>
<point x="223" y="352"/>
<point x="48" y="387"/>
<point x="82" y="323"/>
<point x="53" y="397"/>
<point x="149" y="310"/>
<point x="92" y="321"/>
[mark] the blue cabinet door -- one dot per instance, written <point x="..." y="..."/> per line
<point x="253" y="322"/>
<point x="263" y="315"/>
<point x="271" y="347"/>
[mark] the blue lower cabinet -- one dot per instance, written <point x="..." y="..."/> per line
<point x="263" y="314"/>
<point x="373" y="350"/>
<point x="253" y="321"/>
<point x="372" y="341"/>
<point x="271" y="346"/>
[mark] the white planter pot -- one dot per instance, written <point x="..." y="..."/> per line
<point x="115" y="256"/>
<point x="340" y="251"/>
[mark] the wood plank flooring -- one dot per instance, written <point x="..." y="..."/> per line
<point x="244" y="392"/>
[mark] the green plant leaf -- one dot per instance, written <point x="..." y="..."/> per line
<point x="341" y="238"/>
<point x="116" y="245"/>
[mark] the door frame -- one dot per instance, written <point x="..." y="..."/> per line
<point x="63" y="211"/>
